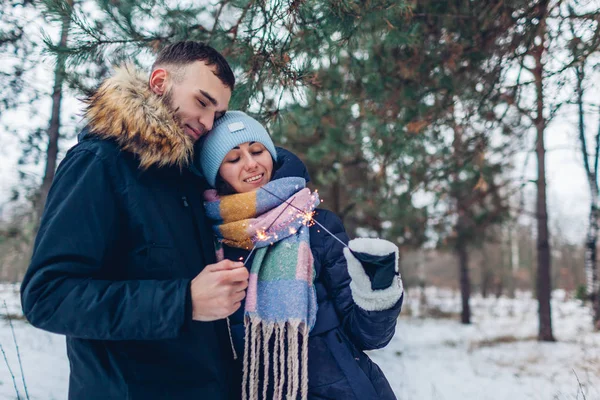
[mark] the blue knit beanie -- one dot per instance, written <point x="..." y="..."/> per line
<point x="229" y="131"/>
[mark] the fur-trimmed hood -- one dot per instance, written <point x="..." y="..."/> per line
<point x="126" y="110"/>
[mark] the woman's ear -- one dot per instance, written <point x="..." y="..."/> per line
<point x="158" y="81"/>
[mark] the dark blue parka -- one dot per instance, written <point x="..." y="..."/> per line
<point x="122" y="235"/>
<point x="337" y="366"/>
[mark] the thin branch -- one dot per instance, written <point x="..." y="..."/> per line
<point x="217" y="16"/>
<point x="235" y="29"/>
<point x="11" y="372"/>
<point x="580" y="386"/>
<point x="17" y="347"/>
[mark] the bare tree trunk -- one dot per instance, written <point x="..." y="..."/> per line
<point x="590" y="260"/>
<point x="592" y="178"/>
<point x="486" y="278"/>
<point x="461" y="228"/>
<point x="499" y="286"/>
<point x="543" y="281"/>
<point x="591" y="268"/>
<point x="591" y="264"/>
<point x="514" y="258"/>
<point x="465" y="282"/>
<point x="54" y="126"/>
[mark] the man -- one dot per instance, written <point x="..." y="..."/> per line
<point x="124" y="263"/>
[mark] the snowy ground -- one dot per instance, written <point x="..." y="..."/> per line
<point x="497" y="357"/>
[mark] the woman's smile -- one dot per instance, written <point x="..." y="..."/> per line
<point x="256" y="179"/>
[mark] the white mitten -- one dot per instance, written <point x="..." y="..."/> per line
<point x="373" y="267"/>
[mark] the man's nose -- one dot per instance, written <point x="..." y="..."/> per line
<point x="207" y="120"/>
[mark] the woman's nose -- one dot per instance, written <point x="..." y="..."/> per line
<point x="250" y="161"/>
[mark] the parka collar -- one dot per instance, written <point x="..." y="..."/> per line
<point x="126" y="110"/>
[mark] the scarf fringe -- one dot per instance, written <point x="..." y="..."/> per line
<point x="290" y="367"/>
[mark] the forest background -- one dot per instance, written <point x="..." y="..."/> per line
<point x="466" y="132"/>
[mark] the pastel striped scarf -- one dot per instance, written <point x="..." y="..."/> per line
<point x="281" y="301"/>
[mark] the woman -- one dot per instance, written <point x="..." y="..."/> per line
<point x="310" y="309"/>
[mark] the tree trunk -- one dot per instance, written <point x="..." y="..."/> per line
<point x="499" y="286"/>
<point x="543" y="281"/>
<point x="514" y="259"/>
<point x="54" y="126"/>
<point x="465" y="283"/>
<point x="591" y="270"/>
<point x="486" y="278"/>
<point x="591" y="257"/>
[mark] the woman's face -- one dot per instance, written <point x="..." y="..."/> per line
<point x="247" y="167"/>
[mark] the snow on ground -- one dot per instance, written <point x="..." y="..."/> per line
<point x="495" y="358"/>
<point x="43" y="355"/>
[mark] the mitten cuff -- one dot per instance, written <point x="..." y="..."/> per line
<point x="362" y="292"/>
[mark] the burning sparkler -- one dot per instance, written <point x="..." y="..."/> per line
<point x="380" y="269"/>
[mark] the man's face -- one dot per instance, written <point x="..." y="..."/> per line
<point x="198" y="98"/>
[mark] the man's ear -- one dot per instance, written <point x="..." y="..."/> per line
<point x="158" y="81"/>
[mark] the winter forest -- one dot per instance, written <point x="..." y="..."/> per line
<point x="442" y="126"/>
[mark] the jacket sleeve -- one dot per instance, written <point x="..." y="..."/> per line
<point x="368" y="330"/>
<point x="63" y="290"/>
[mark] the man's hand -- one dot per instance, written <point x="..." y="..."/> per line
<point x="217" y="291"/>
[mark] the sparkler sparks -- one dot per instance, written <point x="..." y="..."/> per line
<point x="307" y="218"/>
<point x="262" y="234"/>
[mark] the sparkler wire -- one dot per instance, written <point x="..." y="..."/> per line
<point x="314" y="220"/>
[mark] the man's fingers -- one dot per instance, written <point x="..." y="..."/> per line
<point x="234" y="275"/>
<point x="225" y="265"/>
<point x="240" y="286"/>
<point x="239" y="296"/>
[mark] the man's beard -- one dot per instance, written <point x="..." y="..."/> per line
<point x="167" y="100"/>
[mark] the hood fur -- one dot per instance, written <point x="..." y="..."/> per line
<point x="126" y="110"/>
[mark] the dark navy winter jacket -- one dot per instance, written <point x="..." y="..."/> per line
<point x="112" y="264"/>
<point x="337" y="366"/>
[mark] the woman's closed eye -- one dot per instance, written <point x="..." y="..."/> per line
<point x="257" y="152"/>
<point x="233" y="160"/>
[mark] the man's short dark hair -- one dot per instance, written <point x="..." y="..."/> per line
<point x="180" y="54"/>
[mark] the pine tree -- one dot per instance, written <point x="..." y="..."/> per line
<point x="376" y="123"/>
